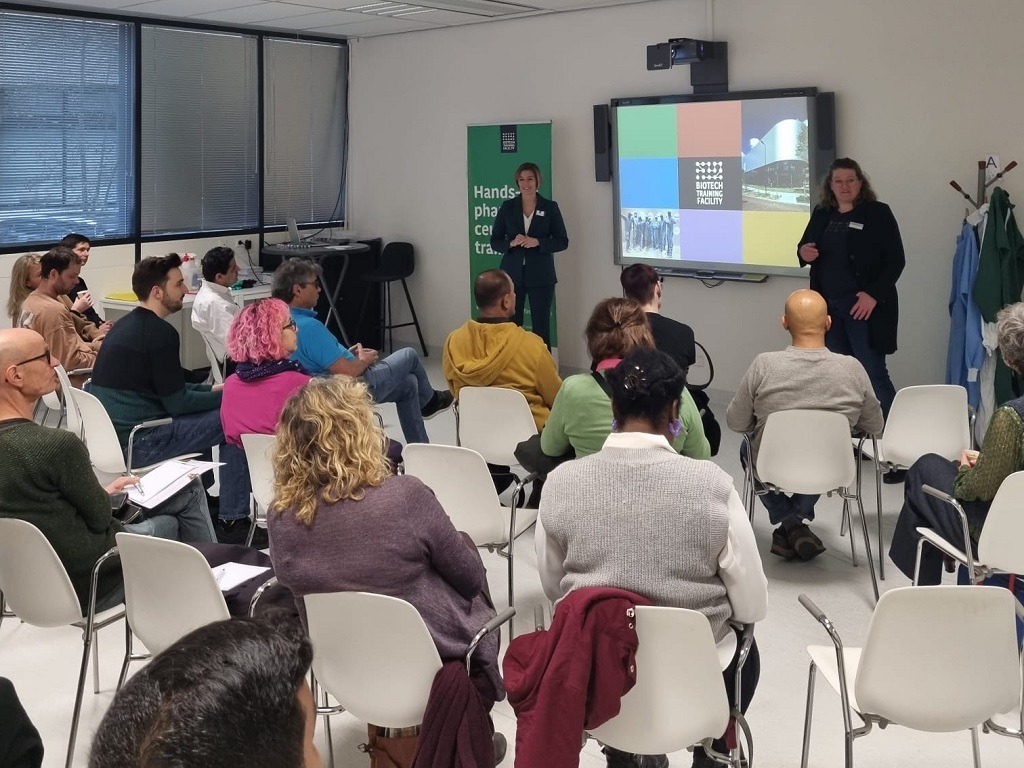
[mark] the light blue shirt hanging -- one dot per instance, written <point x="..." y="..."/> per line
<point x="966" y="352"/>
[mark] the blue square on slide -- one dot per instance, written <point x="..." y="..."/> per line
<point x="649" y="182"/>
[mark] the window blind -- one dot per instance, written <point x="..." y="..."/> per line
<point x="305" y="122"/>
<point x="66" y="127"/>
<point x="200" y="164"/>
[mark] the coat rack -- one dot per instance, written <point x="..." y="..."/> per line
<point x="982" y="184"/>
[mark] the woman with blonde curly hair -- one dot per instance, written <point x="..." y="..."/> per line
<point x="25" y="276"/>
<point x="342" y="522"/>
<point x="581" y="416"/>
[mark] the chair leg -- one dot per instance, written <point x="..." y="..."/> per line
<point x="878" y="511"/>
<point x="847" y="523"/>
<point x="128" y="641"/>
<point x="811" y="674"/>
<point x="95" y="662"/>
<point x="322" y="701"/>
<point x="511" y="587"/>
<point x="871" y="566"/>
<point x="362" y="310"/>
<point x="975" y="747"/>
<point x="415" y="320"/>
<point x="389" y="319"/>
<point x="87" y="641"/>
<point x="252" y="523"/>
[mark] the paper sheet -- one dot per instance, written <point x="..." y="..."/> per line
<point x="230" y="575"/>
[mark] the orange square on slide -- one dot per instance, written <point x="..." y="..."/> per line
<point x="710" y="129"/>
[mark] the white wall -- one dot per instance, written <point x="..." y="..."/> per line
<point x="924" y="89"/>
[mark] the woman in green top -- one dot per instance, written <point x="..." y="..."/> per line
<point x="581" y="416"/>
<point x="973" y="480"/>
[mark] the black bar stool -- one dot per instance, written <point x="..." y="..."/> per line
<point x="397" y="262"/>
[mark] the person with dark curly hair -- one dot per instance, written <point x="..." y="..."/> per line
<point x="638" y="516"/>
<point x="230" y="693"/>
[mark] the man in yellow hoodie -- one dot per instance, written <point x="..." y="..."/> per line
<point x="495" y="352"/>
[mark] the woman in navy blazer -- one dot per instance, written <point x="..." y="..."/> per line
<point x="528" y="230"/>
<point x="853" y="245"/>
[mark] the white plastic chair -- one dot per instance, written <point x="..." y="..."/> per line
<point x="169" y="591"/>
<point x="1001" y="541"/>
<point x="375" y="656"/>
<point x="102" y="441"/>
<point x="462" y="484"/>
<point x="936" y="659"/>
<point x="492" y="421"/>
<point x="933" y="418"/>
<point x="808" y="451"/>
<point x="36" y="586"/>
<point x="216" y="366"/>
<point x="258" y="450"/>
<point x="679" y="699"/>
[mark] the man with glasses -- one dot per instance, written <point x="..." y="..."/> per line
<point x="46" y="477"/>
<point x="44" y="312"/>
<point x="398" y="378"/>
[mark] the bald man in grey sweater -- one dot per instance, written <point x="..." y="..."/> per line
<point x="805" y="375"/>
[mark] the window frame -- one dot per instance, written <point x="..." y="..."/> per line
<point x="261" y="36"/>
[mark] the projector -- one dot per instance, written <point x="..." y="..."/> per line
<point x="680" y="50"/>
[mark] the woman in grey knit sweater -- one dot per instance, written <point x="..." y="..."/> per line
<point x="342" y="522"/>
<point x="639" y="516"/>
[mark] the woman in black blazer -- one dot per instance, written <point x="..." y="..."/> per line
<point x="853" y="245"/>
<point x="528" y="230"/>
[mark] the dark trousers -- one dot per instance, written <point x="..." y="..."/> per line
<point x="853" y="337"/>
<point x="923" y="511"/>
<point x="781" y="507"/>
<point x="540" y="297"/>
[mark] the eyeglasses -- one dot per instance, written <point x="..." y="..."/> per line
<point x="45" y="356"/>
<point x="291" y="326"/>
<point x="312" y="282"/>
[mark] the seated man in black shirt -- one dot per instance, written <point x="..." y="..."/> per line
<point x="138" y="377"/>
<point x="643" y="285"/>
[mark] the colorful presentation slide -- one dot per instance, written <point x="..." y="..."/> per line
<point x="714" y="182"/>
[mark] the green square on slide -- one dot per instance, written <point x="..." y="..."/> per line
<point x="647" y="131"/>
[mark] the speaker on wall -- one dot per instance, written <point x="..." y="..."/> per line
<point x="602" y="143"/>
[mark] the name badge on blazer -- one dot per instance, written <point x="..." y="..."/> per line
<point x="856" y="225"/>
<point x="540" y="213"/>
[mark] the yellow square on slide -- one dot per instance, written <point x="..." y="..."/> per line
<point x="770" y="237"/>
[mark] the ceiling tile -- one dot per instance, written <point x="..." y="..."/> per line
<point x="312" y="21"/>
<point x="183" y="8"/>
<point x="254" y="14"/>
<point x="376" y="25"/>
<point x="99" y="5"/>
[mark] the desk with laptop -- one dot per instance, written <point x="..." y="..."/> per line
<point x="322" y="251"/>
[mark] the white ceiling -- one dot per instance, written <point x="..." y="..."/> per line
<point x="334" y="18"/>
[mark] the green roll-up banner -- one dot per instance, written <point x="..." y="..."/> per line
<point x="495" y="151"/>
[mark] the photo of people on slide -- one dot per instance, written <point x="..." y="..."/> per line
<point x="776" y="174"/>
<point x="650" y="233"/>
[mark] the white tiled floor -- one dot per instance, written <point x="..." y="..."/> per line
<point x="43" y="663"/>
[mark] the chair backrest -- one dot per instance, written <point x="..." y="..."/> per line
<point x="1001" y="543"/>
<point x="493" y="421"/>
<point x="169" y="589"/>
<point x="72" y="416"/>
<point x="374" y="654"/>
<point x="100" y="435"/>
<point x="258" y="449"/>
<point x="216" y="371"/>
<point x="806" y="451"/>
<point x="940" y="659"/>
<point x="34" y="582"/>
<point x="460" y="480"/>
<point x="679" y="698"/>
<point x="932" y="418"/>
<point x="397" y="260"/>
<point x="702" y="372"/>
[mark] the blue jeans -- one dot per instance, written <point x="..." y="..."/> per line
<point x="197" y="433"/>
<point x="853" y="337"/>
<point x="400" y="379"/>
<point x="781" y="506"/>
<point x="183" y="517"/>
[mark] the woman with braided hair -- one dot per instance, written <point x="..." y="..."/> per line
<point x="639" y="516"/>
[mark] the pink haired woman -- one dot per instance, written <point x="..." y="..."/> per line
<point x="260" y="339"/>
